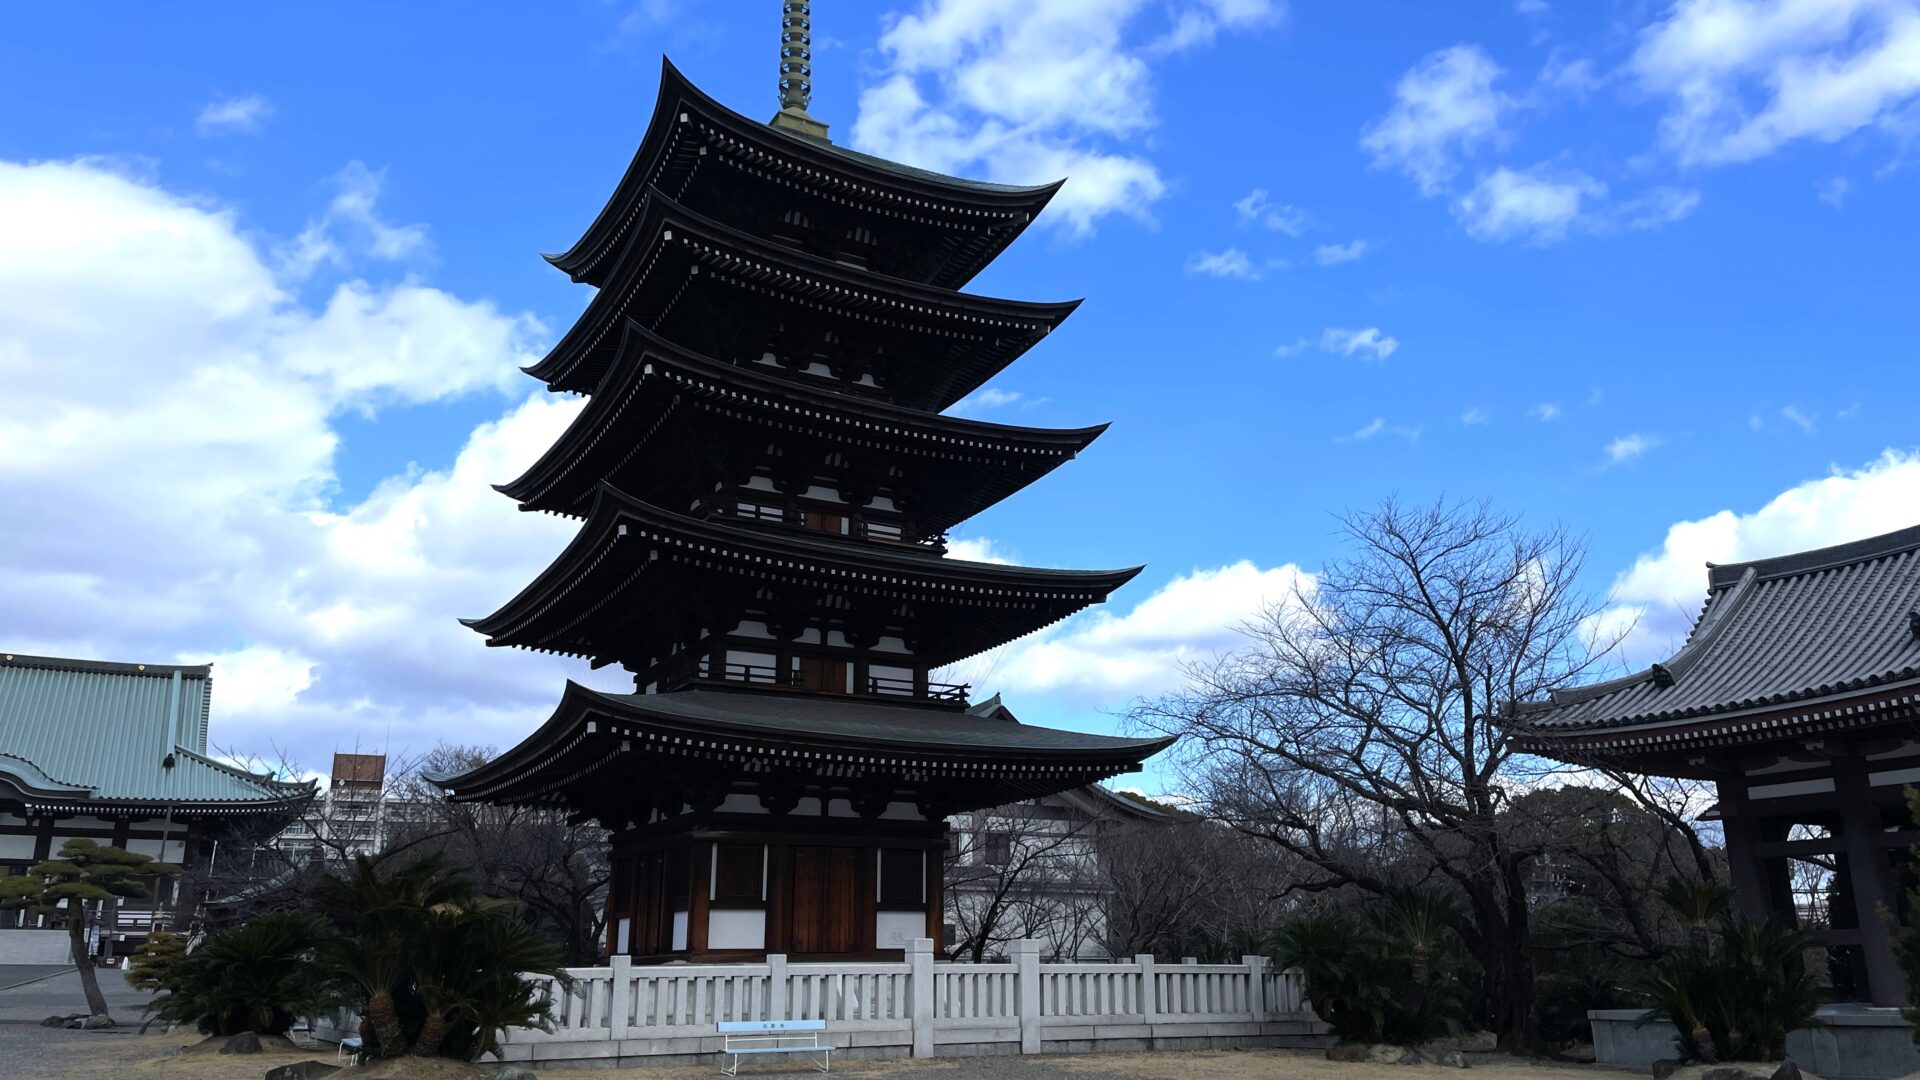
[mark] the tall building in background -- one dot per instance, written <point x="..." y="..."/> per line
<point x="764" y="482"/>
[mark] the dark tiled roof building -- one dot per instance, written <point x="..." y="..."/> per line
<point x="1798" y="694"/>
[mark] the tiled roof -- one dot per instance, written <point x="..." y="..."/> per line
<point x="103" y="732"/>
<point x="838" y="720"/>
<point x="1819" y="625"/>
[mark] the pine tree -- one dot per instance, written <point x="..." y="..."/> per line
<point x="85" y="874"/>
<point x="153" y="964"/>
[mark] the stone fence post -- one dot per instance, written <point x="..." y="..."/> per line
<point x="620" y="1001"/>
<point x="1256" y="986"/>
<point x="1149" y="989"/>
<point x="920" y="983"/>
<point x="1026" y="962"/>
<point x="777" y="986"/>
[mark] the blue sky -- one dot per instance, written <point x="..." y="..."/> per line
<point x="1636" y="268"/>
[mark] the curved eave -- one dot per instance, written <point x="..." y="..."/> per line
<point x="781" y="401"/>
<point x="807" y="277"/>
<point x="616" y="516"/>
<point x="551" y="756"/>
<point x="907" y="188"/>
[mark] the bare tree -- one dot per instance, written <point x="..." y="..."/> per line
<point x="1363" y="725"/>
<point x="556" y="870"/>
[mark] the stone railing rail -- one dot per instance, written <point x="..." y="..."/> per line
<point x="924" y="1008"/>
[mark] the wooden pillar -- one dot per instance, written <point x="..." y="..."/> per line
<point x="1748" y="870"/>
<point x="935" y="871"/>
<point x="1869" y="879"/>
<point x="700" y="886"/>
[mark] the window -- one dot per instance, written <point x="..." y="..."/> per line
<point x="996" y="848"/>
<point x="902" y="878"/>
<point x="739" y="873"/>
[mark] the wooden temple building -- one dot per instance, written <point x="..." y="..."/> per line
<point x="764" y="481"/>
<point x="1798" y="695"/>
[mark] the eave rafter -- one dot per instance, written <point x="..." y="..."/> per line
<point x="977" y="463"/>
<point x="955" y="341"/>
<point x="689" y="129"/>
<point x="622" y="538"/>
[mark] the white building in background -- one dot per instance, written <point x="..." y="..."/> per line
<point x="356" y="815"/>
<point x="1031" y="869"/>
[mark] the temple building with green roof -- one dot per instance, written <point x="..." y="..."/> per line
<point x="117" y="753"/>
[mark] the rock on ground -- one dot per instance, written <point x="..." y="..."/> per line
<point x="302" y="1070"/>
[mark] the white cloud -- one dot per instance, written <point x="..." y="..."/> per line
<point x="1531" y="7"/>
<point x="1542" y="204"/>
<point x="1742" y="78"/>
<point x="1028" y="93"/>
<point x="351" y="227"/>
<point x="1348" y="342"/>
<point x="246" y="114"/>
<point x="1198" y="23"/>
<point x="1475" y="416"/>
<point x="1627" y="447"/>
<point x="1794" y="416"/>
<point x="1099" y="658"/>
<point x="1834" y="192"/>
<point x="1257" y="209"/>
<point x="1334" y="254"/>
<point x="1657" y="208"/>
<point x="1378" y="426"/>
<point x="1537" y="205"/>
<point x="991" y="398"/>
<point x="1664" y="588"/>
<point x="165" y="379"/>
<point x="1545" y="411"/>
<point x="1444" y="109"/>
<point x="978" y="549"/>
<point x="1231" y="263"/>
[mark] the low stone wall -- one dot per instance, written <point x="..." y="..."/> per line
<point x="34" y="947"/>
<point x="1853" y="1042"/>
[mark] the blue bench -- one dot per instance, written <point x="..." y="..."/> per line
<point x="773" y="1037"/>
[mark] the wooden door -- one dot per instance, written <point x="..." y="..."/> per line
<point x="818" y="673"/>
<point x="823" y="896"/>
<point x="826" y="523"/>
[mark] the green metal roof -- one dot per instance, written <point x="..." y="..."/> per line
<point x="100" y="732"/>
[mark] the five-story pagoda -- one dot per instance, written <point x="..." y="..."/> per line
<point x="764" y="481"/>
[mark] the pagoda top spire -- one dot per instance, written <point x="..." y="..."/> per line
<point x="796" y="70"/>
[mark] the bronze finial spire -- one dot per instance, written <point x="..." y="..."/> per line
<point x="796" y="70"/>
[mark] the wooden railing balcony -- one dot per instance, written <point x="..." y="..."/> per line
<point x="857" y="528"/>
<point x="883" y="687"/>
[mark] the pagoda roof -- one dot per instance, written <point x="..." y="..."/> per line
<point x="966" y="465"/>
<point x="975" y="761"/>
<point x="113" y="736"/>
<point x="579" y="601"/>
<point x="1821" y="640"/>
<point x="962" y="339"/>
<point x="690" y="130"/>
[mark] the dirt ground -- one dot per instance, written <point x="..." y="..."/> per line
<point x="167" y="1057"/>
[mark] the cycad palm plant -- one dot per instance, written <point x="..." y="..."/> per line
<point x="258" y="977"/>
<point x="438" y="969"/>
<point x="1734" y="994"/>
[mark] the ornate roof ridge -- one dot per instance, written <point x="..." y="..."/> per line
<point x="107" y="667"/>
<point x="1794" y="564"/>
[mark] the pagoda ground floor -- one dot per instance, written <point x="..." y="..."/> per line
<point x="809" y="886"/>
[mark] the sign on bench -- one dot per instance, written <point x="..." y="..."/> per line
<point x="774" y="1037"/>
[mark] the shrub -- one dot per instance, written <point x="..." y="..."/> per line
<point x="258" y="977"/>
<point x="1736" y="991"/>
<point x="1392" y="975"/>
<point x="154" y="961"/>
<point x="435" y="969"/>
